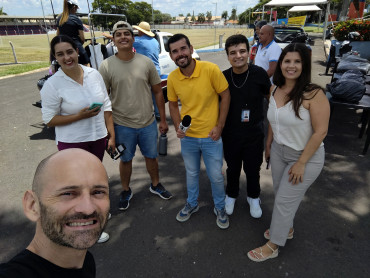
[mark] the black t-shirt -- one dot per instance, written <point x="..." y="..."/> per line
<point x="246" y="102"/>
<point x="71" y="26"/>
<point x="30" y="265"/>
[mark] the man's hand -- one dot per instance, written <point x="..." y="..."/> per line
<point x="163" y="126"/>
<point x="215" y="133"/>
<point x="180" y="134"/>
<point x="111" y="144"/>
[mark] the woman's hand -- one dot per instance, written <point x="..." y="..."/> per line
<point x="267" y="152"/>
<point x="86" y="113"/>
<point x="296" y="172"/>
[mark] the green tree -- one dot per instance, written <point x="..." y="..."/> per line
<point x="224" y="15"/>
<point x="134" y="11"/>
<point x="209" y="16"/>
<point x="2" y="12"/>
<point x="201" y="18"/>
<point x="188" y="15"/>
<point x="181" y="14"/>
<point x="233" y="15"/>
<point x="139" y="11"/>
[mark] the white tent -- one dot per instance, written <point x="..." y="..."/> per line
<point x="310" y="8"/>
<point x="273" y="3"/>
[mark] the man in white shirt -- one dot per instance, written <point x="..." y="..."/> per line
<point x="268" y="51"/>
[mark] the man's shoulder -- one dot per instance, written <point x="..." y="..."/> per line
<point x="22" y="265"/>
<point x="206" y="64"/>
<point x="275" y="46"/>
<point x="227" y="71"/>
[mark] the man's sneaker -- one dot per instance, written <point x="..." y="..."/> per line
<point x="103" y="237"/>
<point x="254" y="207"/>
<point x="186" y="212"/>
<point x="160" y="191"/>
<point x="109" y="216"/>
<point x="124" y="199"/>
<point x="222" y="219"/>
<point x="229" y="205"/>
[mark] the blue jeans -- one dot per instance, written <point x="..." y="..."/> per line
<point x="145" y="137"/>
<point x="191" y="150"/>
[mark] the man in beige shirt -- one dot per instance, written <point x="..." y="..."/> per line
<point x="131" y="78"/>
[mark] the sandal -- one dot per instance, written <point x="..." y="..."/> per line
<point x="259" y="257"/>
<point x="266" y="234"/>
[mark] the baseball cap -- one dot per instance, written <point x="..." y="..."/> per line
<point x="73" y="2"/>
<point x="122" y="25"/>
<point x="145" y="28"/>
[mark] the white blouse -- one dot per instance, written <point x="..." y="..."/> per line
<point x="61" y="95"/>
<point x="288" y="129"/>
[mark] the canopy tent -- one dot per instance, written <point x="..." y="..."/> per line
<point x="296" y="3"/>
<point x="273" y="3"/>
<point x="310" y="8"/>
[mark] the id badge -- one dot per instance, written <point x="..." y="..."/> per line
<point x="245" y="115"/>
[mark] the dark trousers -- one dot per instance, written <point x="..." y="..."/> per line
<point x="246" y="152"/>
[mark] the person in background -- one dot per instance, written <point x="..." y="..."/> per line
<point x="69" y="24"/>
<point x="268" y="51"/>
<point x="147" y="45"/>
<point x="205" y="97"/>
<point x="66" y="97"/>
<point x="255" y="42"/>
<point x="243" y="133"/>
<point x="69" y="202"/>
<point x="134" y="121"/>
<point x="299" y="117"/>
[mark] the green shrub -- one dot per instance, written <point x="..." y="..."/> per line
<point x="343" y="28"/>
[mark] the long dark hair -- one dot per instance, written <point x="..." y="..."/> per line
<point x="59" y="39"/>
<point x="303" y="83"/>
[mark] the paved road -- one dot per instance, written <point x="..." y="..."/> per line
<point x="332" y="225"/>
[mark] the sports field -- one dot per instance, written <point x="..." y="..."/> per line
<point x="34" y="49"/>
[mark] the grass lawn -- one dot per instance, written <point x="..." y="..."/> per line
<point x="34" y="49"/>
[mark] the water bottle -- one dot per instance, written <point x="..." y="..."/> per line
<point x="162" y="144"/>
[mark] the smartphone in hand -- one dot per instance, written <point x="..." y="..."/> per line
<point x="267" y="163"/>
<point x="95" y="104"/>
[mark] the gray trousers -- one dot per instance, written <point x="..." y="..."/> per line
<point x="288" y="196"/>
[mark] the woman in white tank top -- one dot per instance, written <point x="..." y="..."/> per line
<point x="299" y="117"/>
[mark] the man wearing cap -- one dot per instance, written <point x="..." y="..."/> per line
<point x="147" y="45"/>
<point x="131" y="78"/>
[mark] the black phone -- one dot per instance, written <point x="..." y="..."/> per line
<point x="267" y="163"/>
<point x="115" y="154"/>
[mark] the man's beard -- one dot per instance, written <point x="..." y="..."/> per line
<point x="183" y="65"/>
<point x="53" y="227"/>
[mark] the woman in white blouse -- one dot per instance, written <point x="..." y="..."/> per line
<point x="66" y="98"/>
<point x="299" y="116"/>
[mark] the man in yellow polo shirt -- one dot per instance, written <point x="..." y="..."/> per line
<point x="199" y="85"/>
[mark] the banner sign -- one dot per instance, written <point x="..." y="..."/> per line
<point x="298" y="20"/>
<point x="282" y="21"/>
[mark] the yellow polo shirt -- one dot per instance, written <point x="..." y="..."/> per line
<point x="199" y="96"/>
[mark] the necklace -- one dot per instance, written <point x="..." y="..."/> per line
<point x="232" y="79"/>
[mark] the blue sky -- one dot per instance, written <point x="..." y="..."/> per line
<point x="173" y="7"/>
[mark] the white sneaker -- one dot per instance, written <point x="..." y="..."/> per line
<point x="103" y="237"/>
<point x="254" y="207"/>
<point x="229" y="205"/>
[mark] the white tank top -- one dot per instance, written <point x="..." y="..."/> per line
<point x="288" y="129"/>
